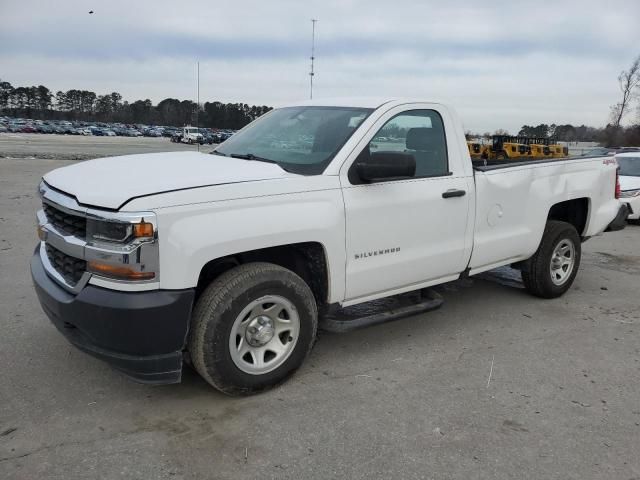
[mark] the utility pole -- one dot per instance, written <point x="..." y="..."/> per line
<point x="198" y="99"/>
<point x="313" y="49"/>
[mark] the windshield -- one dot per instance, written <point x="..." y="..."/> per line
<point x="299" y="139"/>
<point x="629" y="166"/>
<point x="191" y="130"/>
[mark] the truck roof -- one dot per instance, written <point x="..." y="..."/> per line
<point x="357" y="102"/>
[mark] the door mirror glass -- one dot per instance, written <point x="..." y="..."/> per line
<point x="385" y="166"/>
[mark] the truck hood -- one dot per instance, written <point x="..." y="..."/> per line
<point x="629" y="183"/>
<point x="111" y="182"/>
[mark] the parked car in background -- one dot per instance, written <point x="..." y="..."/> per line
<point x="206" y="139"/>
<point x="3" y="129"/>
<point x="224" y="135"/>
<point x="85" y="127"/>
<point x="627" y="150"/>
<point x="42" y="128"/>
<point x="598" y="152"/>
<point x="629" y="171"/>
<point x="28" y="129"/>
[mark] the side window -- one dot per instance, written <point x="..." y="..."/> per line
<point x="418" y="132"/>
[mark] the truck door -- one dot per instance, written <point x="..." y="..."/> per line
<point x="402" y="234"/>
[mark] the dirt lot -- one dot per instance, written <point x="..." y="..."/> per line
<point x="77" y="147"/>
<point x="495" y="385"/>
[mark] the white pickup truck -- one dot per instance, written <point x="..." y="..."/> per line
<point x="231" y="260"/>
<point x="190" y="135"/>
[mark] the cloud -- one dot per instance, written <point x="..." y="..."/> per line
<point x="500" y="63"/>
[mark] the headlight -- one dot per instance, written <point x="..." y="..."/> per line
<point x="123" y="246"/>
<point x="118" y="232"/>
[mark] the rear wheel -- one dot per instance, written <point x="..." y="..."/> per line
<point x="550" y="272"/>
<point x="252" y="328"/>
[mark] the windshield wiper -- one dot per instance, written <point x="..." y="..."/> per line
<point x="251" y="156"/>
<point x="213" y="152"/>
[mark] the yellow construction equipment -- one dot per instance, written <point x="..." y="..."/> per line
<point x="506" y="147"/>
<point x="478" y="150"/>
<point x="540" y="148"/>
<point x="558" y="151"/>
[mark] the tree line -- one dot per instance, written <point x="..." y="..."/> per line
<point x="610" y="135"/>
<point x="39" y="102"/>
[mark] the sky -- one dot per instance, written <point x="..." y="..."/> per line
<point x="501" y="64"/>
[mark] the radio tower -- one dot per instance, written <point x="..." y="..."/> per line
<point x="313" y="48"/>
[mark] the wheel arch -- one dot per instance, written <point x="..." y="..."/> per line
<point x="574" y="211"/>
<point x="307" y="259"/>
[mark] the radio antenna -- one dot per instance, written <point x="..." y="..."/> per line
<point x="313" y="49"/>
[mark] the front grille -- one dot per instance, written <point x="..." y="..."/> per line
<point x="70" y="268"/>
<point x="65" y="222"/>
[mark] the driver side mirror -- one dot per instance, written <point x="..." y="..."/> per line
<point x="379" y="166"/>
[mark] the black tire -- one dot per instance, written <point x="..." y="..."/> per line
<point x="219" y="306"/>
<point x="536" y="271"/>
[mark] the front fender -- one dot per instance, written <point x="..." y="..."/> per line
<point x="190" y="236"/>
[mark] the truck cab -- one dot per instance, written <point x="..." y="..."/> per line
<point x="191" y="135"/>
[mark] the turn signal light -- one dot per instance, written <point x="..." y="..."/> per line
<point x="143" y="230"/>
<point x="121" y="273"/>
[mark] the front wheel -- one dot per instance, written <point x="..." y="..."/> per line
<point x="252" y="328"/>
<point x="550" y="272"/>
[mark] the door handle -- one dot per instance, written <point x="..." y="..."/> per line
<point x="452" y="192"/>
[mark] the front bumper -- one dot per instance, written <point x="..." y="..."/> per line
<point x="141" y="334"/>
<point x="620" y="221"/>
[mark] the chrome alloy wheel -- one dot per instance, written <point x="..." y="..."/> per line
<point x="264" y="334"/>
<point x="563" y="260"/>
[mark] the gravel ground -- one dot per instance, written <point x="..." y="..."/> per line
<point x="494" y="385"/>
<point x="78" y="147"/>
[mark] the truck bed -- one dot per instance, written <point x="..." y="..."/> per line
<point x="514" y="198"/>
<point x="488" y="165"/>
